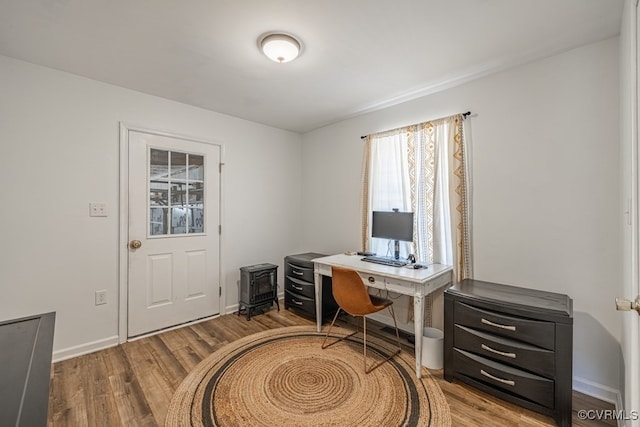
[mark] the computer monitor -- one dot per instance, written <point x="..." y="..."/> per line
<point x="393" y="225"/>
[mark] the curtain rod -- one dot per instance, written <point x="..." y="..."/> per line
<point x="464" y="116"/>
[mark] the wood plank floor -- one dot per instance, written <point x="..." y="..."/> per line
<point x="132" y="384"/>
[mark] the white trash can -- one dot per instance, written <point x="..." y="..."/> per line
<point x="432" y="348"/>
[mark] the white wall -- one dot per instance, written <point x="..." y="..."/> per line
<point x="546" y="199"/>
<point x="60" y="151"/>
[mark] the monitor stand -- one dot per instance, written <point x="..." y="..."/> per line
<point x="396" y="249"/>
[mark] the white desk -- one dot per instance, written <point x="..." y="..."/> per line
<point x="402" y="280"/>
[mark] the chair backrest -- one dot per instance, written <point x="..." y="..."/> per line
<point x="350" y="292"/>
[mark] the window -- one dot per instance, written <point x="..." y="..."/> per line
<point x="176" y="189"/>
<point x="422" y="169"/>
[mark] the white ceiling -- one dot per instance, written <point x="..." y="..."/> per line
<point x="358" y="55"/>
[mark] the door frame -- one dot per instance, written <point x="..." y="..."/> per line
<point x="123" y="239"/>
<point x="630" y="341"/>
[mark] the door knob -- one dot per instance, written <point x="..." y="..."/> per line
<point x="623" y="304"/>
<point x="135" y="244"/>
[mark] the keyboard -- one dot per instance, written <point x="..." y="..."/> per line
<point x="385" y="261"/>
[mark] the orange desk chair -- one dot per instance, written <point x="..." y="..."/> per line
<point x="351" y="295"/>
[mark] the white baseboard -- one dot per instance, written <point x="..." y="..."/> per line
<point x="620" y="407"/>
<point x="234" y="308"/>
<point x="90" y="347"/>
<point x="602" y="392"/>
<point x="86" y="348"/>
<point x="599" y="391"/>
<point x="231" y="308"/>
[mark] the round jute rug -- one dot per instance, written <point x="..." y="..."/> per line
<point x="282" y="377"/>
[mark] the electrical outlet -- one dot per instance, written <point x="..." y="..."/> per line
<point x="97" y="209"/>
<point x="101" y="297"/>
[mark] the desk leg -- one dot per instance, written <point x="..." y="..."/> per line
<point x="418" y="319"/>
<point x="318" y="279"/>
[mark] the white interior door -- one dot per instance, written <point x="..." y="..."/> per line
<point x="632" y="323"/>
<point x="632" y="326"/>
<point x="631" y="234"/>
<point x="174" y="220"/>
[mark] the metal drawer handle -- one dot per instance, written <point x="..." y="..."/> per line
<point x="488" y="375"/>
<point x="297" y="288"/>
<point x="501" y="353"/>
<point x="297" y="272"/>
<point x="296" y="302"/>
<point x="497" y="325"/>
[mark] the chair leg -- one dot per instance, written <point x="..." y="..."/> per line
<point x="374" y="366"/>
<point x="329" y="331"/>
<point x="364" y="334"/>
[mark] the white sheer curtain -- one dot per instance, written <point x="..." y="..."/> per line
<point x="390" y="182"/>
<point x="422" y="169"/>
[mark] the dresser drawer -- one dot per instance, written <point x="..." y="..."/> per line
<point x="298" y="272"/>
<point x="515" y="353"/>
<point x="300" y="303"/>
<point x="534" y="332"/>
<point x="300" y="287"/>
<point x="514" y="381"/>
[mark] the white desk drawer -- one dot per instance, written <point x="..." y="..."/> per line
<point x="400" y="287"/>
<point x="385" y="283"/>
<point x="373" y="280"/>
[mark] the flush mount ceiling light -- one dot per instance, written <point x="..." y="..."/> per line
<point x="280" y="47"/>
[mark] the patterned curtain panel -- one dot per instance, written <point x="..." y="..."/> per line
<point x="460" y="184"/>
<point x="423" y="169"/>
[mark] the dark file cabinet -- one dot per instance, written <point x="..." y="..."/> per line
<point x="514" y="343"/>
<point x="300" y="290"/>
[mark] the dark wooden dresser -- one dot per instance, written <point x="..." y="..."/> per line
<point x="300" y="288"/>
<point x="514" y="343"/>
<point x="25" y="366"/>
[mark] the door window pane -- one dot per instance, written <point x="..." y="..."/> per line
<point x="196" y="167"/>
<point x="195" y="193"/>
<point x="178" y="220"/>
<point x="197" y="220"/>
<point x="159" y="193"/>
<point x="176" y="193"/>
<point x="158" y="221"/>
<point x="178" y="165"/>
<point x="159" y="164"/>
